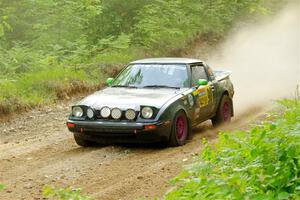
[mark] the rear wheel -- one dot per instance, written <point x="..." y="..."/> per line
<point x="224" y="112"/>
<point x="81" y="141"/>
<point x="180" y="130"/>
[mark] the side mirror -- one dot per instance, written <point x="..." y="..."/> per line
<point x="109" y="81"/>
<point x="202" y="82"/>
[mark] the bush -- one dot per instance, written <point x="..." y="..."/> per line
<point x="64" y="193"/>
<point x="163" y="26"/>
<point x="262" y="163"/>
<point x="41" y="38"/>
<point x="34" y="89"/>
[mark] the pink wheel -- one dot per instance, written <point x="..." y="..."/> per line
<point x="181" y="128"/>
<point x="226" y="112"/>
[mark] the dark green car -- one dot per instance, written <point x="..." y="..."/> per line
<point x="154" y="100"/>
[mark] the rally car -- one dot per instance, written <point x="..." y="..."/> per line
<point x="154" y="100"/>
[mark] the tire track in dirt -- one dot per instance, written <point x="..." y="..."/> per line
<point x="112" y="172"/>
<point x="37" y="150"/>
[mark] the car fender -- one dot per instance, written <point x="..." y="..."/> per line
<point x="177" y="103"/>
<point x="225" y="87"/>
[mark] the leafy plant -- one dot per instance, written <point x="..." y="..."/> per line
<point x="64" y="193"/>
<point x="2" y="187"/>
<point x="40" y="37"/>
<point x="262" y="163"/>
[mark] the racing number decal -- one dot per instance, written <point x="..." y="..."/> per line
<point x="203" y="96"/>
<point x="204" y="93"/>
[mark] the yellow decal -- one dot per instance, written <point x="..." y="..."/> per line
<point x="202" y="93"/>
<point x="195" y="92"/>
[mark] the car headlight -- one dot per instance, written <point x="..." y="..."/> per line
<point x="116" y="113"/>
<point x="130" y="114"/>
<point x="147" y="112"/>
<point x="90" y="113"/>
<point x="105" y="112"/>
<point x="77" y="111"/>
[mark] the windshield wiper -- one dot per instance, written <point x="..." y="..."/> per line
<point x="124" y="86"/>
<point x="160" y="86"/>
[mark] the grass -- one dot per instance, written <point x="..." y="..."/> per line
<point x="36" y="88"/>
<point x="44" y="87"/>
<point x="64" y="193"/>
<point x="41" y="66"/>
<point x="2" y="187"/>
<point x="262" y="163"/>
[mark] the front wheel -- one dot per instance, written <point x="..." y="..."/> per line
<point x="180" y="129"/>
<point x="224" y="112"/>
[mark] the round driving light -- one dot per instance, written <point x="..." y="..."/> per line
<point x="77" y="111"/>
<point x="116" y="113"/>
<point x="105" y="112"/>
<point x="130" y="114"/>
<point x="147" y="112"/>
<point x="90" y="113"/>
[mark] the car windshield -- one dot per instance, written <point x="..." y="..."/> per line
<point x="153" y="76"/>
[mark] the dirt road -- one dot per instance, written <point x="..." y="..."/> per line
<point x="37" y="150"/>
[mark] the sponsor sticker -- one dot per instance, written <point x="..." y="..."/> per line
<point x="202" y="93"/>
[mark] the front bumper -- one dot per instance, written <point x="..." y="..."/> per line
<point x="121" y="132"/>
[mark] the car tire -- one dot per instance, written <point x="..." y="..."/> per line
<point x="180" y="129"/>
<point x="224" y="112"/>
<point x="81" y="141"/>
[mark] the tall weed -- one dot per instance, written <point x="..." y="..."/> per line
<point x="262" y="163"/>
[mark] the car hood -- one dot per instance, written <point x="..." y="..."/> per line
<point x="125" y="98"/>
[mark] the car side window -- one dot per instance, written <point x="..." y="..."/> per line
<point x="198" y="72"/>
<point x="210" y="73"/>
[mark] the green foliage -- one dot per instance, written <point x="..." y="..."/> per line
<point x="262" y="163"/>
<point x="39" y="36"/>
<point x="64" y="193"/>
<point x="118" y="16"/>
<point x="2" y="187"/>
<point x="74" y="32"/>
<point x="19" y="59"/>
<point x="166" y="25"/>
<point x="41" y="87"/>
<point x="1" y="30"/>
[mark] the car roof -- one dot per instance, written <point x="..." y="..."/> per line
<point x="167" y="61"/>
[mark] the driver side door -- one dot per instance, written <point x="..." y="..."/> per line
<point x="203" y="94"/>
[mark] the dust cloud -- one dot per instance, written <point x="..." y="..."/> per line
<point x="263" y="59"/>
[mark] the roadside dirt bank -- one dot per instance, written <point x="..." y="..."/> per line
<point x="36" y="149"/>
